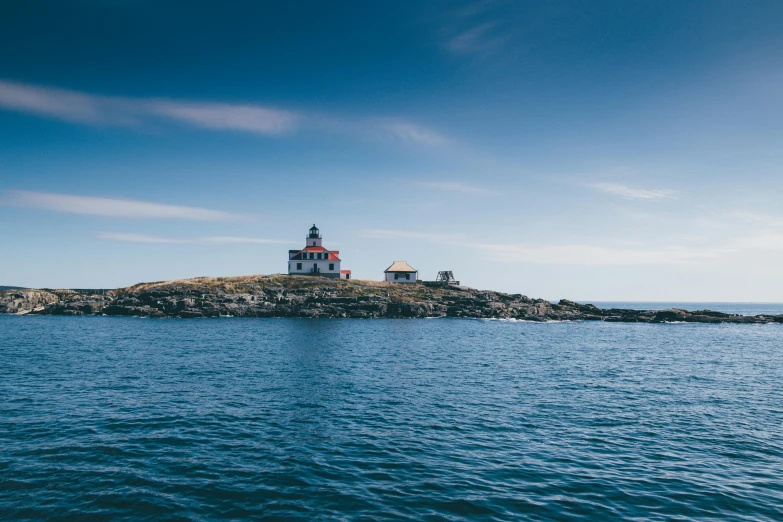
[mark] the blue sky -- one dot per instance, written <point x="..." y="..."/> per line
<point x="594" y="150"/>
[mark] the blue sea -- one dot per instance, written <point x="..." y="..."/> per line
<point x="105" y="418"/>
<point x="728" y="308"/>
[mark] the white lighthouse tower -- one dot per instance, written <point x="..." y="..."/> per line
<point x="316" y="260"/>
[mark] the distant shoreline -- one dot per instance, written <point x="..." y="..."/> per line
<point x="316" y="297"/>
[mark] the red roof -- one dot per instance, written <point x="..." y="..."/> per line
<point x="345" y="271"/>
<point x="317" y="249"/>
<point x="331" y="256"/>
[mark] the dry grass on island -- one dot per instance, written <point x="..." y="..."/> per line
<point x="253" y="284"/>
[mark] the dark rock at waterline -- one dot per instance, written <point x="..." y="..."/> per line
<point x="312" y="297"/>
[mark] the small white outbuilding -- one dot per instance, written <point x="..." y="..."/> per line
<point x="401" y="272"/>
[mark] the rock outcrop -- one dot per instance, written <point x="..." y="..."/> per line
<point x="301" y="296"/>
<point x="26" y="301"/>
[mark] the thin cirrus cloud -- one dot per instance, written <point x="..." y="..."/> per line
<point x="596" y="255"/>
<point x="413" y="133"/>
<point x="78" y="107"/>
<point x="223" y="116"/>
<point x="586" y="254"/>
<point x="481" y="28"/>
<point x="129" y="237"/>
<point x="85" y="108"/>
<point x="475" y="39"/>
<point x="624" y="191"/>
<point x="401" y="234"/>
<point x="56" y="103"/>
<point x="112" y="207"/>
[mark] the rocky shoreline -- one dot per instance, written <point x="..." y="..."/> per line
<point x="312" y="297"/>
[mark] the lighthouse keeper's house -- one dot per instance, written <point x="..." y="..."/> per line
<point x="316" y="260"/>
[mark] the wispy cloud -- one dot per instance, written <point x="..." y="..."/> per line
<point x="404" y="234"/>
<point x="413" y="133"/>
<point x="106" y="110"/>
<point x="624" y="191"/>
<point x="475" y="39"/>
<point x="601" y="255"/>
<point x="480" y="29"/>
<point x="241" y="240"/>
<point x="152" y="239"/>
<point x="130" y="237"/>
<point x="585" y="254"/>
<point x="112" y="207"/>
<point x="61" y="104"/>
<point x="248" y="118"/>
<point x="458" y="187"/>
<point x="85" y="108"/>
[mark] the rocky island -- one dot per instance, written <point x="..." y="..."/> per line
<point x="314" y="297"/>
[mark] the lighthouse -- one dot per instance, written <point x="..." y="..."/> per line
<point x="315" y="260"/>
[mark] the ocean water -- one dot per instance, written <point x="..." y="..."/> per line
<point x="728" y="308"/>
<point x="443" y="419"/>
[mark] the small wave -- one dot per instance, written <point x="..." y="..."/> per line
<point x="530" y="321"/>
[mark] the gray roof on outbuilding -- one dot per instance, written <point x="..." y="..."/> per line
<point x="400" y="266"/>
